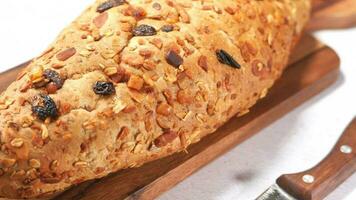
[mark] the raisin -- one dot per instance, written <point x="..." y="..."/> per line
<point x="45" y="107"/>
<point x="227" y="59"/>
<point x="104" y="88"/>
<point x="167" y="28"/>
<point x="144" y="30"/>
<point x="54" y="77"/>
<point x="174" y="59"/>
<point x="109" y="4"/>
<point x="40" y="112"/>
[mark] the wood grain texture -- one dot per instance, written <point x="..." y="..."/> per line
<point x="329" y="173"/>
<point x="320" y="4"/>
<point x="332" y="14"/>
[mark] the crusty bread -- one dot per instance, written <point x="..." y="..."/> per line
<point x="132" y="81"/>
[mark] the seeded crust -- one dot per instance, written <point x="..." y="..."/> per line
<point x="157" y="108"/>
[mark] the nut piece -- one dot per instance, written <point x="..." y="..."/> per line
<point x="203" y="63"/>
<point x="7" y="162"/>
<point x="165" y="138"/>
<point x="260" y="70"/>
<point x="66" y="54"/>
<point x="80" y="164"/>
<point x="119" y="105"/>
<point x="44" y="132"/>
<point x="123" y="133"/>
<point x="135" y="82"/>
<point x="34" y="163"/>
<point x="109" y="71"/>
<point x="54" y="164"/>
<point x="51" y="88"/>
<point x="17" y="175"/>
<point x="163" y="109"/>
<point x="3" y="107"/>
<point x="48" y="177"/>
<point x="100" y="20"/>
<point x="184" y="98"/>
<point x="17" y="142"/>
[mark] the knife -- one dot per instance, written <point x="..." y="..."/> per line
<point x="317" y="182"/>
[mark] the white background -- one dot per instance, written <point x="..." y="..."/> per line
<point x="294" y="143"/>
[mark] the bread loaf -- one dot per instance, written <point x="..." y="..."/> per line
<point x="131" y="81"/>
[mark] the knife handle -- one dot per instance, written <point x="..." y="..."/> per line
<point x="318" y="182"/>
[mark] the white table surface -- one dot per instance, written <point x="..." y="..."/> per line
<point x="294" y="143"/>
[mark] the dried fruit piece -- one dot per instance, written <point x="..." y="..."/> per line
<point x="54" y="77"/>
<point x="45" y="107"/>
<point x="104" y="88"/>
<point x="165" y="138"/>
<point x="174" y="59"/>
<point x="135" y="82"/>
<point x="109" y="4"/>
<point x="66" y="54"/>
<point x="144" y="30"/>
<point x="167" y="28"/>
<point x="227" y="59"/>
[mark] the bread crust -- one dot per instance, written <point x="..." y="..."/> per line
<point x="170" y="87"/>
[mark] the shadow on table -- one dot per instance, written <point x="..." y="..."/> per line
<point x="270" y="147"/>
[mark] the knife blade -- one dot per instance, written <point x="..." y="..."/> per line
<point x="275" y="193"/>
<point x="317" y="182"/>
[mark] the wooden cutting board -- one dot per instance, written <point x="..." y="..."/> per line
<point x="332" y="14"/>
<point x="313" y="67"/>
